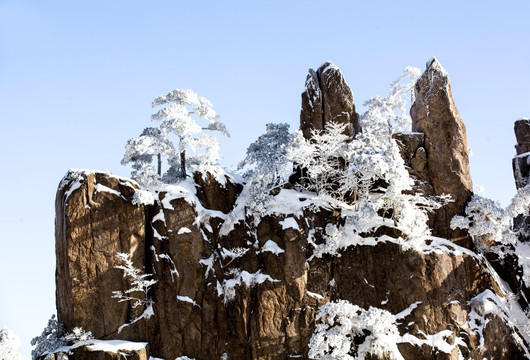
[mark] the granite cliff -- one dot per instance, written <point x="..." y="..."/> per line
<point x="252" y="288"/>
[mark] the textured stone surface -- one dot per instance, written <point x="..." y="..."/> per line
<point x="434" y="113"/>
<point x="223" y="295"/>
<point x="95" y="219"/>
<point x="522" y="135"/>
<point x="327" y="97"/>
<point x="115" y="352"/>
<point x="412" y="149"/>
<point x="274" y="318"/>
<point x="521" y="161"/>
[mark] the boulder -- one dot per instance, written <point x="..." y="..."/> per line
<point x="434" y="113"/>
<point x="327" y="97"/>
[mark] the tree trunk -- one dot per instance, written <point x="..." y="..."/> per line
<point x="159" y="165"/>
<point x="183" y="163"/>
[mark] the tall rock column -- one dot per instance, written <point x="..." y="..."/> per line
<point x="95" y="219"/>
<point x="521" y="167"/>
<point x="434" y="113"/>
<point x="327" y="97"/>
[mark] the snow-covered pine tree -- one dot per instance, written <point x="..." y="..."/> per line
<point x="267" y="154"/>
<point x="182" y="111"/>
<point x="140" y="152"/>
<point x="266" y="165"/>
<point x="51" y="338"/>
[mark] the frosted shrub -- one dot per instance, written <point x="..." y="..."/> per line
<point x="485" y="221"/>
<point x="321" y="159"/>
<point x="390" y="113"/>
<point x="78" y="334"/>
<point x="54" y="336"/>
<point x="51" y="338"/>
<point x="346" y="332"/>
<point x="9" y="344"/>
<point x="491" y="227"/>
<point x="139" y="283"/>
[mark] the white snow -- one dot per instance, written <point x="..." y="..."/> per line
<point x="183" y="230"/>
<point x="209" y="265"/>
<point x="240" y="278"/>
<point x="315" y="295"/>
<point x="272" y="247"/>
<point x="403" y="314"/>
<point x="289" y="223"/>
<point x="148" y="312"/>
<point x="187" y="299"/>
<point x="143" y="197"/>
<point x="103" y="188"/>
<point x="159" y="217"/>
<point x="114" y="346"/>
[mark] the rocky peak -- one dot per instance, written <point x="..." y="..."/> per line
<point x="327" y="97"/>
<point x="520" y="164"/>
<point x="434" y="113"/>
<point x="253" y="289"/>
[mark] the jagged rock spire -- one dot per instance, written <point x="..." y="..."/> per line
<point x="434" y="113"/>
<point x="327" y="97"/>
<point x="521" y="167"/>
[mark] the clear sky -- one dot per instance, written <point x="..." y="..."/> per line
<point x="77" y="79"/>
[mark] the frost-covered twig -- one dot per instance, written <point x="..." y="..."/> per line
<point x="138" y="281"/>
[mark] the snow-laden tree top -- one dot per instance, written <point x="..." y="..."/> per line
<point x="184" y="116"/>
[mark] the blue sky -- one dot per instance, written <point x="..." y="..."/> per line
<point x="77" y="80"/>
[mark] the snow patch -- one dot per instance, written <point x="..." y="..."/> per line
<point x="114" y="346"/>
<point x="187" y="299"/>
<point x="289" y="223"/>
<point x="143" y="197"/>
<point x="272" y="247"/>
<point x="183" y="230"/>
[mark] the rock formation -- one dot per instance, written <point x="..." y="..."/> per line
<point x="327" y="97"/>
<point x="521" y="166"/>
<point x="93" y="223"/>
<point x="434" y="113"/>
<point x="250" y="287"/>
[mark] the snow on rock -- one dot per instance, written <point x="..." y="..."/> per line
<point x="183" y="230"/>
<point x="114" y="346"/>
<point x="143" y="197"/>
<point x="187" y="299"/>
<point x="272" y="247"/>
<point x="240" y="278"/>
<point x="403" y="314"/>
<point x="289" y="223"/>
<point x="103" y="188"/>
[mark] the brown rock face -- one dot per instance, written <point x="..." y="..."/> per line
<point x="109" y="351"/>
<point x="95" y="219"/>
<point x="434" y="113"/>
<point x="232" y="285"/>
<point x="520" y="164"/>
<point x="327" y="97"/>
<point x="234" y="294"/>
